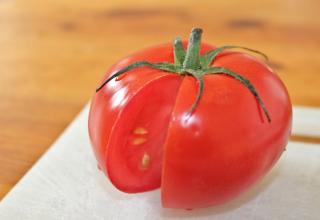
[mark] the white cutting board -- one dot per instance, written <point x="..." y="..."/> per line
<point x="66" y="184"/>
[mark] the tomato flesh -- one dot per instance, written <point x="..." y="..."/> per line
<point x="134" y="160"/>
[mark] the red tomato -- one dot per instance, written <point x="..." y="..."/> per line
<point x="144" y="137"/>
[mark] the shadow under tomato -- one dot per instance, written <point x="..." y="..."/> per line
<point x="251" y="194"/>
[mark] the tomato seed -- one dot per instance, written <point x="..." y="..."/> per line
<point x="138" y="141"/>
<point x="145" y="161"/>
<point x="140" y="130"/>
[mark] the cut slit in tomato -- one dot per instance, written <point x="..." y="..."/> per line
<point x="135" y="151"/>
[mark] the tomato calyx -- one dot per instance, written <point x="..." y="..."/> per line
<point x="190" y="62"/>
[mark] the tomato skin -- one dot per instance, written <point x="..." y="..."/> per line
<point x="227" y="144"/>
<point x="223" y="148"/>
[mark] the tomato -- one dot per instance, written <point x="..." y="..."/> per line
<point x="204" y="129"/>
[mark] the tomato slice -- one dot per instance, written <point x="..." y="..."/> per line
<point x="135" y="151"/>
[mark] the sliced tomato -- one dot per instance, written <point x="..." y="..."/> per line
<point x="107" y="104"/>
<point x="144" y="138"/>
<point x="134" y="159"/>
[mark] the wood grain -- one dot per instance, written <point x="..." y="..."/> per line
<point x="54" y="52"/>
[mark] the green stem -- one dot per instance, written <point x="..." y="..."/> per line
<point x="168" y="67"/>
<point x="191" y="63"/>
<point x="199" y="77"/>
<point x="210" y="56"/>
<point x="178" y="52"/>
<point x="192" y="60"/>
<point x="242" y="80"/>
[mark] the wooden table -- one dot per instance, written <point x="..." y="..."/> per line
<point x="52" y="53"/>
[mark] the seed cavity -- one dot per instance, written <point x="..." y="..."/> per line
<point x="140" y="131"/>
<point x="138" y="141"/>
<point x="145" y="161"/>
